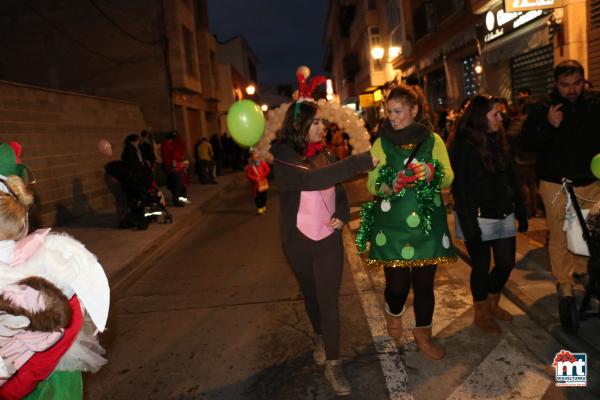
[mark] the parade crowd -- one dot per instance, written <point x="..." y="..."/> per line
<point x="503" y="163"/>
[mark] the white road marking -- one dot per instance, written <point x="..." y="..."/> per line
<point x="392" y="365"/>
<point x="505" y="373"/>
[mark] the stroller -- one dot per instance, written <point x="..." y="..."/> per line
<point x="139" y="200"/>
<point x="569" y="313"/>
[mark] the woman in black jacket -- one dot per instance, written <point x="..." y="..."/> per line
<point x="487" y="203"/>
<point x="313" y="210"/>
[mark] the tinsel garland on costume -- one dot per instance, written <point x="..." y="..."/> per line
<point x="426" y="192"/>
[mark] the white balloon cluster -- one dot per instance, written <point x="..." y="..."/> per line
<point x="349" y="122"/>
<point x="273" y="123"/>
<point x="344" y="117"/>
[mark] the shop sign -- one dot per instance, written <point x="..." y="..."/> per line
<point x="527" y="5"/>
<point x="500" y="23"/>
<point x="366" y="100"/>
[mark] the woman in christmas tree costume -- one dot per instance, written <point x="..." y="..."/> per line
<point x="406" y="224"/>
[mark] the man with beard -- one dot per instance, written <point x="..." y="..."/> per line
<point x="562" y="131"/>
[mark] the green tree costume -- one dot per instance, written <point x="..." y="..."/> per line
<point x="408" y="228"/>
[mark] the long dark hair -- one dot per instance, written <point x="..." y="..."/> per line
<point x="296" y="124"/>
<point x="473" y="127"/>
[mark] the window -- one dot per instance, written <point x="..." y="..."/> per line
<point x="423" y="19"/>
<point x="394" y="16"/>
<point x="374" y="41"/>
<point x="188" y="45"/>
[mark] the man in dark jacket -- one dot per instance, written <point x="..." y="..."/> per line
<point x="562" y="131"/>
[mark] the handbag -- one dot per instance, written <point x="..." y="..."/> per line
<point x="263" y="184"/>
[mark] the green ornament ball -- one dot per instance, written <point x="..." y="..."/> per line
<point x="380" y="239"/>
<point x="408" y="252"/>
<point x="413" y="220"/>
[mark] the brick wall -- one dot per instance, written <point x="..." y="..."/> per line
<point x="59" y="132"/>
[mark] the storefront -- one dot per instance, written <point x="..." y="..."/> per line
<point x="516" y="52"/>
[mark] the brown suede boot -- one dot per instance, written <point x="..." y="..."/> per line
<point x="393" y="322"/>
<point x="426" y="346"/>
<point x="498" y="312"/>
<point x="335" y="376"/>
<point x="483" y="318"/>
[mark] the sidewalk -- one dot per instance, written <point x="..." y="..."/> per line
<point x="124" y="253"/>
<point x="531" y="287"/>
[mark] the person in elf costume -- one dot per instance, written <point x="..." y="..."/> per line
<point x="54" y="297"/>
<point x="314" y="209"/>
<point x="406" y="224"/>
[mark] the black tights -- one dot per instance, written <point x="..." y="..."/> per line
<point x="482" y="280"/>
<point x="398" y="282"/>
<point x="318" y="266"/>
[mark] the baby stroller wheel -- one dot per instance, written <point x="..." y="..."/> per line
<point x="568" y="315"/>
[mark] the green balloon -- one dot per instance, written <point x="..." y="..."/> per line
<point x="595" y="165"/>
<point x="408" y="252"/>
<point x="380" y="239"/>
<point x="246" y="122"/>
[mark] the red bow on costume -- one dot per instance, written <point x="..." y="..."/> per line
<point x="304" y="90"/>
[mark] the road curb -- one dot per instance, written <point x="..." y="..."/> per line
<point x="149" y="255"/>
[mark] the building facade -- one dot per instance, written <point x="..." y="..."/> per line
<point x="456" y="48"/>
<point x="158" y="54"/>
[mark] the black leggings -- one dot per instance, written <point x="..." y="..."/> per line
<point x="398" y="282"/>
<point x="261" y="199"/>
<point x="318" y="267"/>
<point x="482" y="280"/>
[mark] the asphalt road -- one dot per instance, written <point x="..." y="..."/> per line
<point x="220" y="316"/>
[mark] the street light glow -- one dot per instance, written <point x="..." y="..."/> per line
<point x="250" y="89"/>
<point x="478" y="69"/>
<point x="264" y="107"/>
<point x="377" y="52"/>
<point x="394" y="52"/>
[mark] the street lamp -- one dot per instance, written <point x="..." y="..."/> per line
<point x="250" y="90"/>
<point x="377" y="53"/>
<point x="264" y="107"/>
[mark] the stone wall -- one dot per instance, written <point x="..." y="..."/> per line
<point x="59" y="132"/>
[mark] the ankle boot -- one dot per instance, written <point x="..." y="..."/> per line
<point x="483" y="318"/>
<point x="498" y="312"/>
<point x="319" y="352"/>
<point x="335" y="376"/>
<point x="393" y="322"/>
<point x="422" y="336"/>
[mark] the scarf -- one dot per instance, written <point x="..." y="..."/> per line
<point x="313" y="148"/>
<point x="412" y="134"/>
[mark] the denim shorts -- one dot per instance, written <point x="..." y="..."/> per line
<point x="491" y="229"/>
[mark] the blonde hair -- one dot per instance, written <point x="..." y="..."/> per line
<point x="14" y="208"/>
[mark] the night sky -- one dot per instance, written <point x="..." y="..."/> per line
<point x="282" y="33"/>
